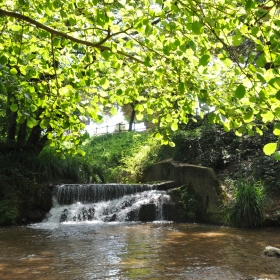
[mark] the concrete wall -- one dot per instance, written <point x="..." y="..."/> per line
<point x="201" y="179"/>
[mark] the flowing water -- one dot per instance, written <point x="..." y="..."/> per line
<point x="77" y="242"/>
<point x="130" y="250"/>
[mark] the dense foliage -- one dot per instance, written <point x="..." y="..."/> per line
<point x="247" y="206"/>
<point x="168" y="59"/>
<point x="24" y="176"/>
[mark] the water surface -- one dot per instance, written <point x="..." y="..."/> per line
<point x="97" y="250"/>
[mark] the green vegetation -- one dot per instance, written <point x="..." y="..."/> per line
<point x="190" y="207"/>
<point x="24" y="174"/>
<point x="121" y="157"/>
<point x="247" y="206"/>
<point x="168" y="60"/>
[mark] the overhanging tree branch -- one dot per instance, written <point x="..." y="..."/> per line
<point x="53" y="32"/>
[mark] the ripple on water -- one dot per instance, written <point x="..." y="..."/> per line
<point x="98" y="250"/>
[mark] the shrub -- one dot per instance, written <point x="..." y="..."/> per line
<point x="50" y="168"/>
<point x="247" y="206"/>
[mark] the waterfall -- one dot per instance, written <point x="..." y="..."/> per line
<point x="108" y="202"/>
<point x="69" y="194"/>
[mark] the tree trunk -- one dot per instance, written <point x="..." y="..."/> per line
<point x="11" y="129"/>
<point x="22" y="133"/>
<point x="11" y="123"/>
<point x="132" y="117"/>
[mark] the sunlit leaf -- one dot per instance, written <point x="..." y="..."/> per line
<point x="174" y="126"/>
<point x="14" y="107"/>
<point x="276" y="129"/>
<point x="270" y="148"/>
<point x="114" y="111"/>
<point x="13" y="71"/>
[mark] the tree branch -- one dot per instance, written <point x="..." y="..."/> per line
<point x="54" y="66"/>
<point x="62" y="34"/>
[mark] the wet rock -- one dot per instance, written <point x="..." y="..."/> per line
<point x="272" y="251"/>
<point x="132" y="216"/>
<point x="90" y="214"/>
<point x="170" y="212"/>
<point x="147" y="213"/>
<point x="35" y="216"/>
<point x="64" y="215"/>
<point x="110" y="218"/>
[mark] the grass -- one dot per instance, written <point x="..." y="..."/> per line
<point x="247" y="206"/>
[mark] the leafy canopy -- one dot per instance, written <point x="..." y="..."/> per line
<point x="173" y="58"/>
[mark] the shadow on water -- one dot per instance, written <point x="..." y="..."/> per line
<point x="159" y="250"/>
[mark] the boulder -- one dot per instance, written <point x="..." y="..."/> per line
<point x="272" y="251"/>
<point x="35" y="216"/>
<point x="201" y="179"/>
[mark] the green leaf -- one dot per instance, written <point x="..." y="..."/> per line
<point x="181" y="87"/>
<point x="248" y="117"/>
<point x="56" y="42"/>
<point x="158" y="136"/>
<point x="44" y="123"/>
<point x="270" y="148"/>
<point x="249" y="4"/>
<point x="106" y="54"/>
<point x="276" y="129"/>
<point x="104" y="83"/>
<point x="14" y="107"/>
<point x="139" y="117"/>
<point x="13" y="71"/>
<point x="114" y="111"/>
<point x="171" y="144"/>
<point x="81" y="152"/>
<point x="31" y="122"/>
<point x="267" y="117"/>
<point x="139" y="108"/>
<point x="278" y="95"/>
<point x="277" y="155"/>
<point x="174" y="126"/>
<point x="3" y="59"/>
<point x="172" y="25"/>
<point x="123" y="2"/>
<point x="240" y="91"/>
<point x="237" y="40"/>
<point x="63" y="14"/>
<point x="261" y="61"/>
<point x="204" y="60"/>
<point x="197" y="28"/>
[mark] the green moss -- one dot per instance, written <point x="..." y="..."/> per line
<point x="191" y="206"/>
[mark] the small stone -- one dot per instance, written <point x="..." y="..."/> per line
<point x="272" y="251"/>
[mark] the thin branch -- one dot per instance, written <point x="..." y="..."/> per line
<point x="54" y="66"/>
<point x="20" y="46"/>
<point x="62" y="34"/>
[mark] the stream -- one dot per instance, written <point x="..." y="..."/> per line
<point x="135" y="250"/>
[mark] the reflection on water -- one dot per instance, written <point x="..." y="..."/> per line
<point x="95" y="250"/>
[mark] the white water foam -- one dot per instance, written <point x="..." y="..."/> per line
<point x="122" y="209"/>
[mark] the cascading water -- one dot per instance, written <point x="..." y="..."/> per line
<point x="68" y="194"/>
<point x="107" y="203"/>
